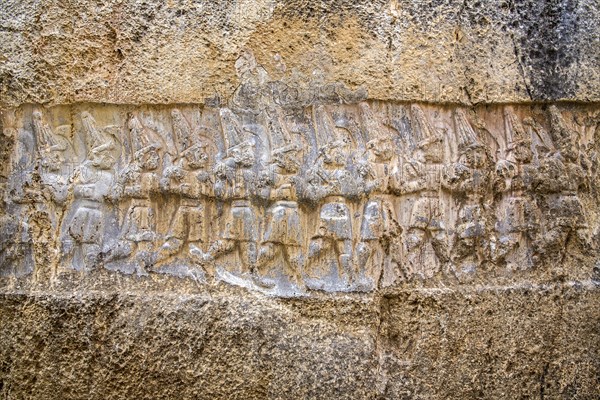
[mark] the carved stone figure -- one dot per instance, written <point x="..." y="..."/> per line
<point x="379" y="250"/>
<point x="470" y="180"/>
<point x="516" y="222"/>
<point x="331" y="246"/>
<point x="190" y="179"/>
<point x="557" y="181"/>
<point x="283" y="239"/>
<point x="248" y="98"/>
<point x="56" y="157"/>
<point x="19" y="194"/>
<point x="425" y="241"/>
<point x="91" y="182"/>
<point x="137" y="184"/>
<point x="235" y="184"/>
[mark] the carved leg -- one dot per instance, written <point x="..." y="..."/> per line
<point x="415" y="240"/>
<point x="266" y="253"/>
<point x="91" y="253"/>
<point x="369" y="256"/>
<point x="344" y="251"/>
<point x="171" y="247"/>
<point x="364" y="251"/>
<point x="216" y="249"/>
<point x="248" y="256"/>
<point x="123" y="249"/>
<point x="439" y="242"/>
<point x="296" y="261"/>
<point x="316" y="247"/>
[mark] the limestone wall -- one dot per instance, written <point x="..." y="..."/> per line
<point x="379" y="199"/>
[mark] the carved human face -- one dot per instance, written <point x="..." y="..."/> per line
<point x="102" y="160"/>
<point x="196" y="158"/>
<point x="506" y="169"/>
<point x="363" y="168"/>
<point x="287" y="160"/>
<point x="335" y="154"/>
<point x="475" y="158"/>
<point x="381" y="150"/>
<point x="149" y="160"/>
<point x="419" y="155"/>
<point x="52" y="162"/>
<point x="522" y="152"/>
<point x="433" y="152"/>
<point x="243" y="155"/>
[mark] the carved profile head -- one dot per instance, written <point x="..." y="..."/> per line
<point x="431" y="150"/>
<point x="335" y="153"/>
<point x="287" y="158"/>
<point x="37" y="116"/>
<point x="102" y="160"/>
<point x="148" y="157"/>
<point x="196" y="156"/>
<point x="53" y="160"/>
<point x="243" y="153"/>
<point x="472" y="152"/>
<point x="381" y="149"/>
<point x="476" y="157"/>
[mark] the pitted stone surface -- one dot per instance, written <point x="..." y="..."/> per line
<point x="299" y="199"/>
<point x="139" y="52"/>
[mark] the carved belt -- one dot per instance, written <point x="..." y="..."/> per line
<point x="240" y="203"/>
<point x="87" y="203"/>
<point x="334" y="199"/>
<point x="140" y="202"/>
<point x="286" y="203"/>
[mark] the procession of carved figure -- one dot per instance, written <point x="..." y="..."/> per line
<point x="350" y="197"/>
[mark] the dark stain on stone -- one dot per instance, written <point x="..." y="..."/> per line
<point x="548" y="33"/>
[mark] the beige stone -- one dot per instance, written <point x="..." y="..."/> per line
<point x="299" y="199"/>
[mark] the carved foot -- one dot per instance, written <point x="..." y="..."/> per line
<point x="200" y="257"/>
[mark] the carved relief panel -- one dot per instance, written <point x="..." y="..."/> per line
<point x="292" y="197"/>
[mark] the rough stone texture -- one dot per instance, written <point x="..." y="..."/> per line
<point x="183" y="51"/>
<point x="521" y="342"/>
<point x="418" y="106"/>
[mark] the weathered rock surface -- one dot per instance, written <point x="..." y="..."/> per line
<point x="529" y="341"/>
<point x="183" y="52"/>
<point x="294" y="199"/>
